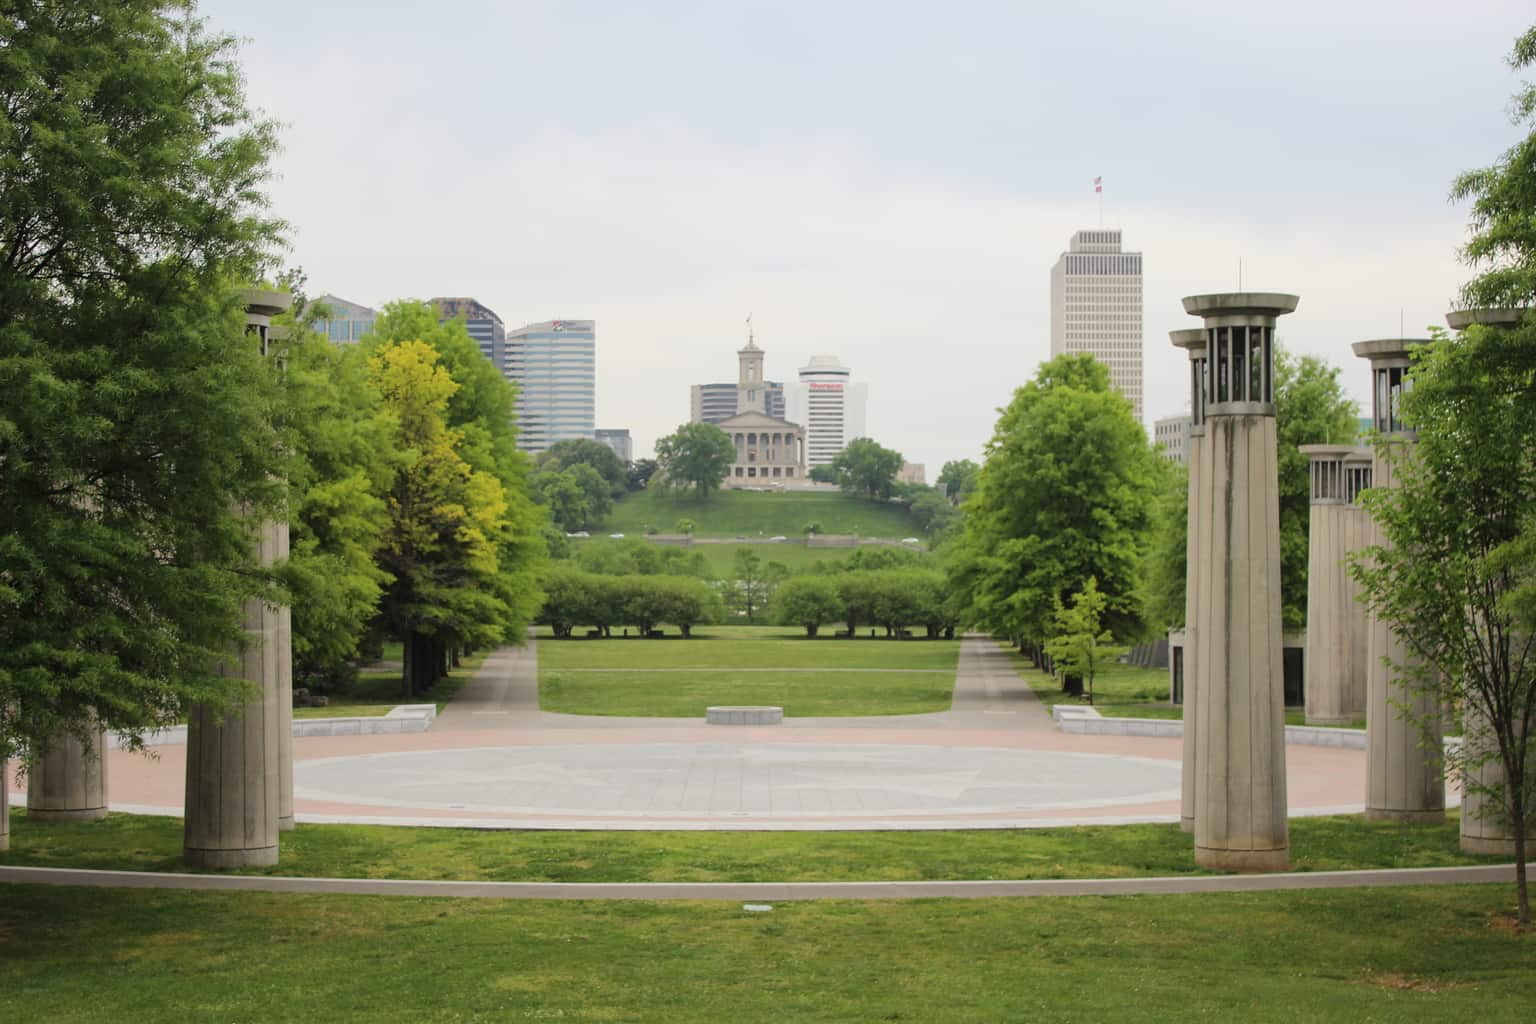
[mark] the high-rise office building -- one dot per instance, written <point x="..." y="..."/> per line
<point x="347" y="322"/>
<point x="554" y="364"/>
<point x="619" y="441"/>
<point x="711" y="403"/>
<point x="1172" y="432"/>
<point x="830" y="406"/>
<point x="1096" y="308"/>
<point x="484" y="325"/>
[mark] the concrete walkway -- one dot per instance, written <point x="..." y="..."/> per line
<point x="767" y="891"/>
<point x="504" y="693"/>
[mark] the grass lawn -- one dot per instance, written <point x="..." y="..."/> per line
<point x="1422" y="954"/>
<point x="750" y="514"/>
<point x="793" y="555"/>
<point x="746" y="665"/>
<point x="149" y="843"/>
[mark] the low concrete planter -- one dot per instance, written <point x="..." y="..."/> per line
<point x="1087" y="721"/>
<point x="744" y="715"/>
<point x="401" y="719"/>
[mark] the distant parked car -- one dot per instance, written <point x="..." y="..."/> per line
<point x="616" y="536"/>
<point x="910" y="540"/>
<point x="579" y="533"/>
<point x="776" y="540"/>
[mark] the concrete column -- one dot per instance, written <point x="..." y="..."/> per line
<point x="234" y="780"/>
<point x="1482" y="826"/>
<point x="283" y="655"/>
<point x="1240" y="797"/>
<point x="1404" y="779"/>
<point x="1335" y="652"/>
<point x="5" y="805"/>
<point x="69" y="783"/>
<point x="1193" y="342"/>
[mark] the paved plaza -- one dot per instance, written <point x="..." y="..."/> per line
<point x="493" y="760"/>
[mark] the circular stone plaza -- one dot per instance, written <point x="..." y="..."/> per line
<point x="493" y="760"/>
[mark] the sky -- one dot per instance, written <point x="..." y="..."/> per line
<point x="886" y="182"/>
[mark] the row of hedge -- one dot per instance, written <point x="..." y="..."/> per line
<point x="576" y="598"/>
<point x="893" y="599"/>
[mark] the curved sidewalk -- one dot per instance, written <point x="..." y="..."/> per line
<point x="774" y="891"/>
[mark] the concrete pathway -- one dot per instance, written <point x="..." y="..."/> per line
<point x="988" y="687"/>
<point x="504" y="693"/>
<point x="767" y="891"/>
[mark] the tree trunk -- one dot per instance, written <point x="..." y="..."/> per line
<point x="810" y="631"/>
<point x="408" y="665"/>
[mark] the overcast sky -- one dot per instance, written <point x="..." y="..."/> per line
<point x="886" y="182"/>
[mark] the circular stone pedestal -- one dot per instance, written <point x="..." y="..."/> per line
<point x="706" y="785"/>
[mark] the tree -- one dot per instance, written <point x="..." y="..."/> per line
<point x="1454" y="576"/>
<point x="865" y="467"/>
<point x="749" y="580"/>
<point x="1503" y="242"/>
<point x="958" y="479"/>
<point x="696" y="455"/>
<point x="1065" y="494"/>
<point x="583" y="451"/>
<point x="823" y="474"/>
<point x="807" y="601"/>
<point x="138" y="418"/>
<point x="639" y="474"/>
<point x="931" y="512"/>
<point x="1078" y="646"/>
<point x="1167" y="570"/>
<point x="568" y="503"/>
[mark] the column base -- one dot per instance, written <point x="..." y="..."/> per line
<point x="285" y="824"/>
<point x="1488" y="847"/>
<point x="88" y="814"/>
<point x="1186" y="824"/>
<point x="1431" y="817"/>
<point x="260" y="857"/>
<point x="1320" y="720"/>
<point x="1243" y="860"/>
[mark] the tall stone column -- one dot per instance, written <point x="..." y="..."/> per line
<point x="1193" y="342"/>
<point x="283" y="654"/>
<point x="1240" y="798"/>
<point x="1404" y="780"/>
<point x="1336" y="652"/>
<point x="233" y="791"/>
<point x="69" y="783"/>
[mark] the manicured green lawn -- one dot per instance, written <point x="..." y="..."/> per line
<point x="746" y="665"/>
<point x="338" y="710"/>
<point x="751" y="514"/>
<point x="147" y="843"/>
<point x="793" y="555"/>
<point x="98" y="955"/>
<point x="1293" y="716"/>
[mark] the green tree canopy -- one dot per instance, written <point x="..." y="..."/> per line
<point x="958" y="479"/>
<point x="808" y="601"/>
<point x="137" y="417"/>
<point x="696" y="455"/>
<point x="1065" y="494"/>
<point x="865" y="467"/>
<point x="583" y="451"/>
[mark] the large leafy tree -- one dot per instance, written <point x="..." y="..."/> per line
<point x="136" y="418"/>
<point x="583" y="451"/>
<point x="1455" y="575"/>
<point x="958" y="479"/>
<point x="1065" y="494"/>
<point x="481" y="410"/>
<point x="867" y="468"/>
<point x="696" y="455"/>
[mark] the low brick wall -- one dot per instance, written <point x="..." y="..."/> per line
<point x="404" y="718"/>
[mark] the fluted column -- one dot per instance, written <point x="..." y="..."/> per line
<point x="69" y="782"/>
<point x="1404" y="778"/>
<point x="233" y="779"/>
<point x="1334" y="664"/>
<point x="1483" y="827"/>
<point x="1240" y="785"/>
<point x="283" y="656"/>
<point x="1193" y="342"/>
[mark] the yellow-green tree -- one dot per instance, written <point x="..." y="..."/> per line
<point x="440" y="544"/>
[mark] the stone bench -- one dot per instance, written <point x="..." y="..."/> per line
<point x="744" y="715"/>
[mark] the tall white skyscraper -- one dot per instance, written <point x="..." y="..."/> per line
<point x="1096" y="307"/>
<point x="554" y="364"/>
<point x="829" y="405"/>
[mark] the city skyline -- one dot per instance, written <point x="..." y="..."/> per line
<point x="917" y="246"/>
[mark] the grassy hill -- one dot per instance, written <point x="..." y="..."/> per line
<point x="753" y="514"/>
